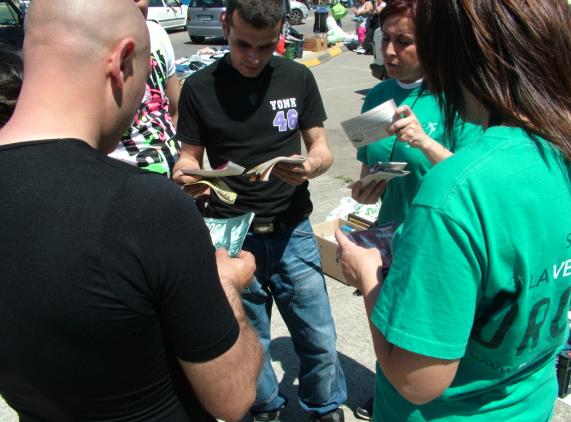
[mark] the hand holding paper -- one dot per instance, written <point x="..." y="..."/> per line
<point x="370" y="126"/>
<point x="261" y="172"/>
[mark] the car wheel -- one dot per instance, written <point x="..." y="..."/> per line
<point x="296" y="17"/>
<point x="196" y="40"/>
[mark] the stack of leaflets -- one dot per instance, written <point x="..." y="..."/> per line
<point x="261" y="172"/>
<point x="227" y="169"/>
<point x="213" y="179"/>
<point x="384" y="171"/>
<point x="229" y="233"/>
<point x="371" y="125"/>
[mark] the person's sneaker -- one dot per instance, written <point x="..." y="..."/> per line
<point x="365" y="411"/>
<point x="359" y="50"/>
<point x="336" y="415"/>
<point x="273" y="416"/>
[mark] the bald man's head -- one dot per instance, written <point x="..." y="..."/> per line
<point x="92" y="25"/>
<point x="94" y="53"/>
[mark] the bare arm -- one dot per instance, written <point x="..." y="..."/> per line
<point x="408" y="129"/>
<point x="318" y="162"/>
<point x="420" y="379"/>
<point x="226" y="386"/>
<point x="172" y="90"/>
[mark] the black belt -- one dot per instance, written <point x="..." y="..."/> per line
<point x="273" y="227"/>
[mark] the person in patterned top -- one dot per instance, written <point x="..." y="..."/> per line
<point x="149" y="142"/>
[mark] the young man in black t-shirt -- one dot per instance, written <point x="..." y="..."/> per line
<point x="250" y="107"/>
<point x="106" y="314"/>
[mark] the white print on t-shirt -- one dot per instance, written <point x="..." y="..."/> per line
<point x="285" y="120"/>
<point x="431" y="128"/>
<point x="562" y="269"/>
<point x="283" y="104"/>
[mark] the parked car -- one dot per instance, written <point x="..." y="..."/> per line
<point x="204" y="18"/>
<point x="299" y="12"/>
<point x="170" y="14"/>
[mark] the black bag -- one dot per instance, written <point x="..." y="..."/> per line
<point x="372" y="21"/>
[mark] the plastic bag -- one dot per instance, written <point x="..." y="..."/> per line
<point x="338" y="11"/>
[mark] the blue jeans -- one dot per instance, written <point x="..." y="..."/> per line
<point x="288" y="270"/>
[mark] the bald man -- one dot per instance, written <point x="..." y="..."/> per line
<point x="104" y="314"/>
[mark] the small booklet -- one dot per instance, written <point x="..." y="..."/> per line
<point x="229" y="233"/>
<point x="227" y="169"/>
<point x="371" y="125"/>
<point x="384" y="171"/>
<point x="380" y="237"/>
<point x="261" y="172"/>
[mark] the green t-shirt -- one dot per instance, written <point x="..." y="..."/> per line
<point x="400" y="191"/>
<point x="482" y="273"/>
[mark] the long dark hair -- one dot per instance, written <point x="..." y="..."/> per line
<point x="514" y="56"/>
<point x="11" y="69"/>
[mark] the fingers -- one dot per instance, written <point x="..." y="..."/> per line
<point x="293" y="177"/>
<point x="369" y="194"/>
<point x="403" y="111"/>
<point x="196" y="190"/>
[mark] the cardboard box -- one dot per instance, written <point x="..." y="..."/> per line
<point x="325" y="234"/>
<point x="315" y="44"/>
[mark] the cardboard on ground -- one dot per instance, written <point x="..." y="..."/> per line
<point x="261" y="172"/>
<point x="371" y="125"/>
<point x="327" y="245"/>
<point x="227" y="169"/>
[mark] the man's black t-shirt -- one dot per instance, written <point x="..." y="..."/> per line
<point x="106" y="276"/>
<point x="249" y="121"/>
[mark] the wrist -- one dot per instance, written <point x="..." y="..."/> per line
<point x="370" y="279"/>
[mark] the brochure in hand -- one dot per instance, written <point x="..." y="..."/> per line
<point x="261" y="173"/>
<point x="220" y="188"/>
<point x="229" y="233"/>
<point x="379" y="237"/>
<point x="384" y="171"/>
<point x="227" y="169"/>
<point x="371" y="125"/>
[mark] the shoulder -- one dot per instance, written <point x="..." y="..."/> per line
<point x="282" y="64"/>
<point x="155" y="30"/>
<point x="202" y="77"/>
<point x="477" y="167"/>
<point x="381" y="92"/>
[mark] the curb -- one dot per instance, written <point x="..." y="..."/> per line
<point x="325" y="57"/>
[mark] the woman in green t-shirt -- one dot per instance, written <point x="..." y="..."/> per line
<point x="420" y="139"/>
<point x="473" y="312"/>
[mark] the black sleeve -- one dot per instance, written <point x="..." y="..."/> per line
<point x="313" y="111"/>
<point x="189" y="127"/>
<point x="159" y="255"/>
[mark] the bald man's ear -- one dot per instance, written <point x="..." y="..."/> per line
<point x="122" y="61"/>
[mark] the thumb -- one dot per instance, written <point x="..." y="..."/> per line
<point x="342" y="240"/>
<point x="402" y="112"/>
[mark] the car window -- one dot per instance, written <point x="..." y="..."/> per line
<point x="208" y="3"/>
<point x="172" y="3"/>
<point x="156" y="3"/>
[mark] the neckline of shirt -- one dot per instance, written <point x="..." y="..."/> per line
<point x="411" y="85"/>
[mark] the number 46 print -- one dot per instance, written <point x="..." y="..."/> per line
<point x="283" y="121"/>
